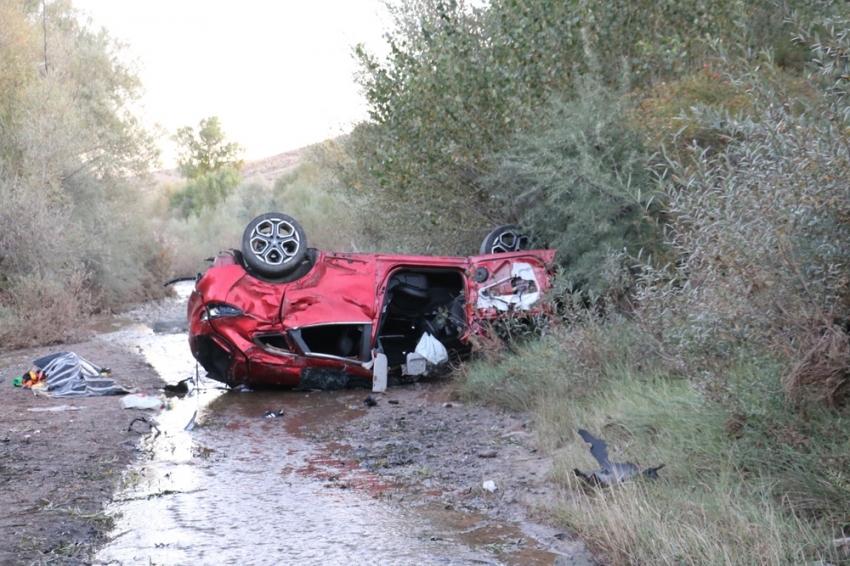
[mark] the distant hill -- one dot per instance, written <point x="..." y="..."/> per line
<point x="265" y="171"/>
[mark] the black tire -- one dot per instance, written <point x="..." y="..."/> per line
<point x="274" y="244"/>
<point x="505" y="239"/>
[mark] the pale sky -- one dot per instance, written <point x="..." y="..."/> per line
<point x="277" y="73"/>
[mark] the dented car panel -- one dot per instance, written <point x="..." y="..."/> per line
<point x="325" y="328"/>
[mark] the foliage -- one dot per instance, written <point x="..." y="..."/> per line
<point x="206" y="151"/>
<point x="461" y="82"/>
<point x="759" y="227"/>
<point x="211" y="166"/>
<point x="731" y="367"/>
<point x="579" y="181"/>
<point x="203" y="191"/>
<point x="668" y="113"/>
<point x="71" y="160"/>
<point x="745" y="474"/>
<point x="302" y="193"/>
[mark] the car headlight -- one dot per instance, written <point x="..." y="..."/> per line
<point x="220" y="311"/>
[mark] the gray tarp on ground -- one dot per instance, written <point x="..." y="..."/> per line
<point x="69" y="375"/>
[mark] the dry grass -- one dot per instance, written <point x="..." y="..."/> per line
<point x="747" y="480"/>
<point x="662" y="523"/>
<point x="44" y="310"/>
<point x="821" y="371"/>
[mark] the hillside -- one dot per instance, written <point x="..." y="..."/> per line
<point x="264" y="171"/>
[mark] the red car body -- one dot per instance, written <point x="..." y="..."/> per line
<point x="325" y="328"/>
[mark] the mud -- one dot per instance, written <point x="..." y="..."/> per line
<point x="58" y="467"/>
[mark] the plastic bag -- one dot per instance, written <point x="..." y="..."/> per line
<point x="432" y="349"/>
<point x="141" y="401"/>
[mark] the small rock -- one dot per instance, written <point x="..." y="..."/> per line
<point x="488" y="454"/>
<point x="370" y="401"/>
<point x="490" y="486"/>
<point x="393" y="401"/>
<point x="273" y="414"/>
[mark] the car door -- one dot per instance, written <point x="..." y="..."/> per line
<point x="508" y="282"/>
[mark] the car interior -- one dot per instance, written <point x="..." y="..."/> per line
<point x="419" y="301"/>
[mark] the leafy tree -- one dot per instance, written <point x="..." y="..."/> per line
<point x="72" y="161"/>
<point x="206" y="151"/>
<point x="460" y="82"/>
<point x="210" y="164"/>
<point x="579" y="181"/>
<point x="204" y="192"/>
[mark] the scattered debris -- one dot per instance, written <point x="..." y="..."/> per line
<point x="370" y="401"/>
<point x="611" y="472"/>
<point x="490" y="486"/>
<point x="141" y="401"/>
<point x="191" y="424"/>
<point x="181" y="387"/>
<point x="273" y="414"/>
<point x="151" y="425"/>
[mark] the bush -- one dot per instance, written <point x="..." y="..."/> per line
<point x="758" y="228"/>
<point x="73" y="161"/>
<point x="45" y="310"/>
<point x="579" y="181"/>
<point x="205" y="191"/>
<point x="303" y="193"/>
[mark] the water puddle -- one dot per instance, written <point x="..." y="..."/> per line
<point x="240" y="487"/>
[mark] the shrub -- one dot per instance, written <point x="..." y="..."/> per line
<point x="579" y="181"/>
<point x="758" y="227"/>
<point x="73" y="160"/>
<point x="303" y="193"/>
<point x="204" y="191"/>
<point x="45" y="309"/>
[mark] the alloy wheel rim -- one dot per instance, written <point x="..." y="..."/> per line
<point x="275" y="241"/>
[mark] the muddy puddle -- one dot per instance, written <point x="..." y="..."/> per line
<point x="224" y="479"/>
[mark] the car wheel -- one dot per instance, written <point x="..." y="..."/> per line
<point x="505" y="239"/>
<point x="273" y="244"/>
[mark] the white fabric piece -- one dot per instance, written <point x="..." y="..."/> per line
<point x="432" y="349"/>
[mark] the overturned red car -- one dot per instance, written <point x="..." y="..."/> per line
<point x="280" y="313"/>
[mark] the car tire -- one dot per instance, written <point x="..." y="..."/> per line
<point x="273" y="245"/>
<point x="505" y="239"/>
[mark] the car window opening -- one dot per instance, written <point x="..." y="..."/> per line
<point x="274" y="343"/>
<point x="339" y="340"/>
<point x="420" y="301"/>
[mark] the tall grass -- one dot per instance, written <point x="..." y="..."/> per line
<point x="747" y="479"/>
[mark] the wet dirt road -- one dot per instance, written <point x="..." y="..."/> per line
<point x="240" y="487"/>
